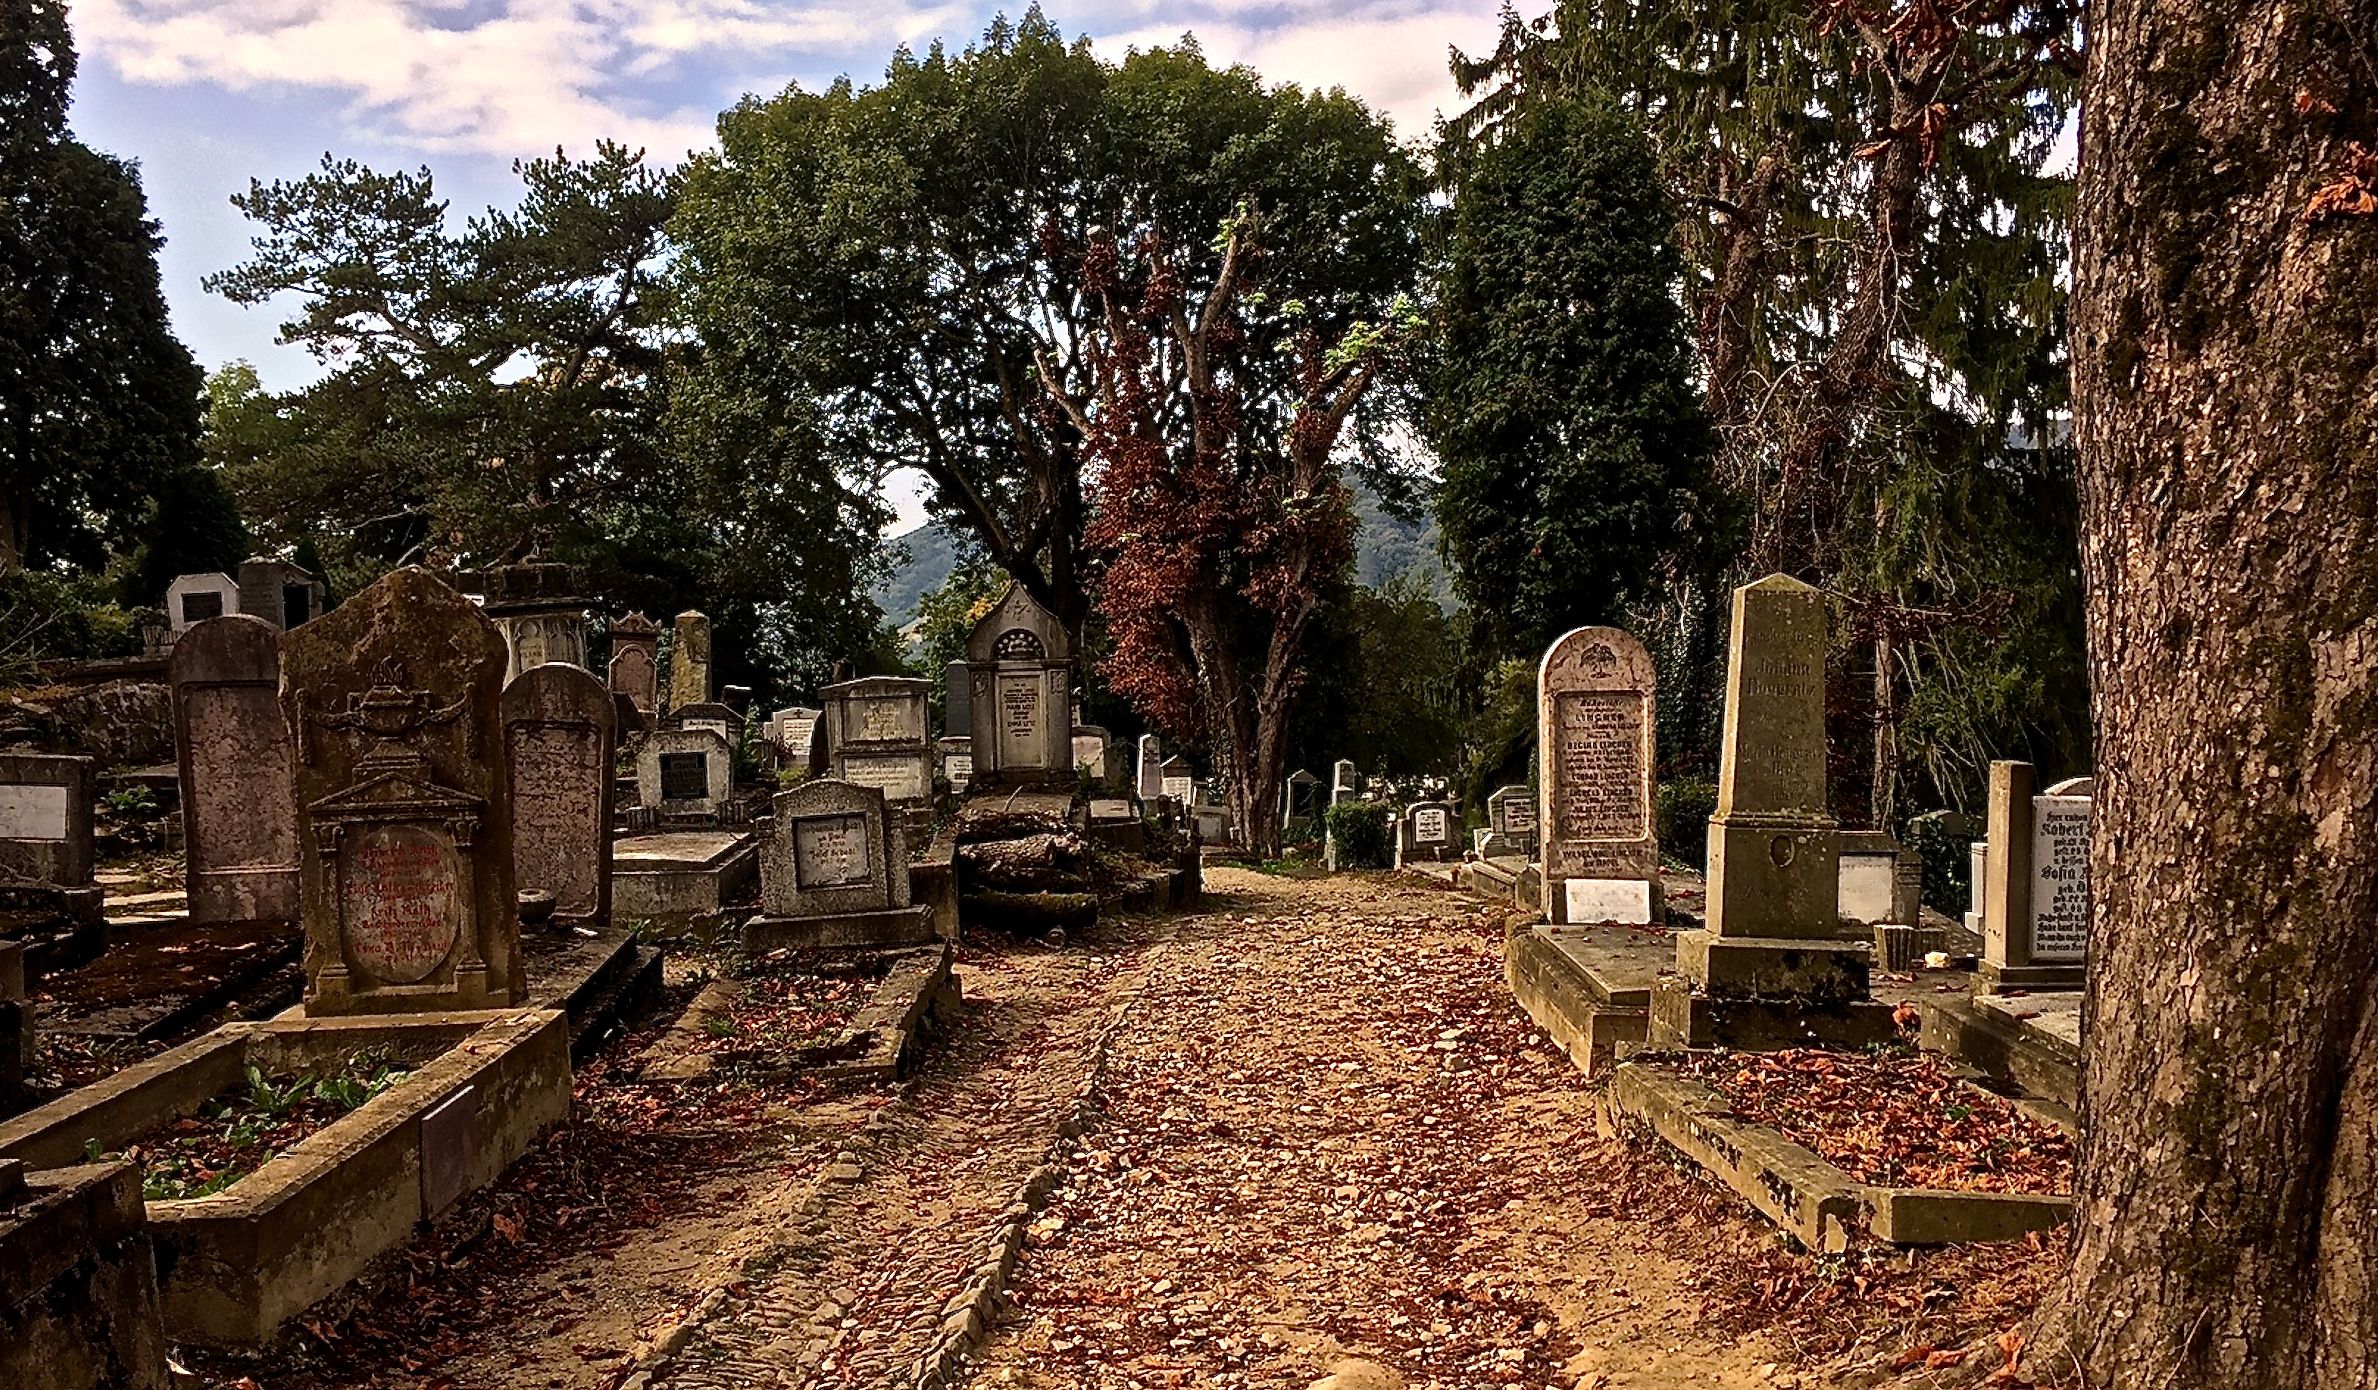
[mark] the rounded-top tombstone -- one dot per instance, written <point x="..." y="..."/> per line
<point x="1595" y="697"/>
<point x="560" y="741"/>
<point x="404" y="809"/>
<point x="1020" y="671"/>
<point x="239" y="822"/>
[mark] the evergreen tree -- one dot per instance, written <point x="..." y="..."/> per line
<point x="1575" y="453"/>
<point x="98" y="399"/>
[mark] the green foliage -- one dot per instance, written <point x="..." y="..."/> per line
<point x="1499" y="745"/>
<point x="894" y="265"/>
<point x="98" y="399"/>
<point x="1382" y="684"/>
<point x="193" y="527"/>
<point x="46" y="617"/>
<point x="1362" y="832"/>
<point x="1681" y="808"/>
<point x="1948" y="862"/>
<point x="1575" y="453"/>
<point x="509" y="386"/>
<point x="946" y="617"/>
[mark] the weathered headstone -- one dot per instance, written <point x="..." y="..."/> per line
<point x="790" y="731"/>
<point x="689" y="661"/>
<point x="834" y="872"/>
<point x="1880" y="880"/>
<point x="957" y="763"/>
<point x="686" y="775"/>
<point x="635" y="660"/>
<point x="875" y="737"/>
<point x="1344" y="782"/>
<point x="716" y="716"/>
<point x="46" y="831"/>
<point x="1179" y="781"/>
<point x="560" y="740"/>
<point x="1977" y="867"/>
<point x="2035" y="903"/>
<point x="1510" y="824"/>
<point x="535" y="604"/>
<point x="281" y="593"/>
<point x="957" y="715"/>
<point x="1148" y="784"/>
<point x="1089" y="752"/>
<point x="232" y="741"/>
<point x="193" y="598"/>
<point x="404" y="807"/>
<point x="1427" y="832"/>
<point x="1596" y="693"/>
<point x="1020" y="667"/>
<point x="1771" y="963"/>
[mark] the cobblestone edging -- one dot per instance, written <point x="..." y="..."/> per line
<point x="968" y="1317"/>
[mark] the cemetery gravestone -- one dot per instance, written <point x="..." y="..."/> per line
<point x="1344" y="782"/>
<point x="1510" y="824"/>
<point x="957" y="763"/>
<point x="239" y="813"/>
<point x="534" y="604"/>
<point x="957" y="715"/>
<point x="1879" y="880"/>
<point x="2035" y="903"/>
<point x="1179" y="781"/>
<point x="1020" y="671"/>
<point x="635" y="660"/>
<point x="1300" y="799"/>
<point x="834" y="872"/>
<point x="1771" y="958"/>
<point x="689" y="661"/>
<point x="718" y="718"/>
<point x="1427" y="832"/>
<point x="875" y="737"/>
<point x="46" y="807"/>
<point x="1148" y="784"/>
<point x="1596" y="693"/>
<point x="560" y="740"/>
<point x="1089" y="752"/>
<point x="686" y="775"/>
<point x="404" y="807"/>
<point x="192" y="599"/>
<point x="790" y="732"/>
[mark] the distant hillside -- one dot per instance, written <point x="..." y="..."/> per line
<point x="1384" y="548"/>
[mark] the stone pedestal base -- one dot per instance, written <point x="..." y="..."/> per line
<point x="1998" y="979"/>
<point x="896" y="926"/>
<point x="1819" y="971"/>
<point x="1682" y="1017"/>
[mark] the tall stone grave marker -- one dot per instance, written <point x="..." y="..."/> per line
<point x="2035" y="904"/>
<point x="1148" y="785"/>
<point x="875" y="737"/>
<point x="1020" y="668"/>
<point x="535" y="605"/>
<point x="689" y="661"/>
<point x="1770" y="966"/>
<point x="239" y="809"/>
<point x="635" y="661"/>
<point x="1595" y="696"/>
<point x="404" y="806"/>
<point x="957" y="714"/>
<point x="1345" y="783"/>
<point x="1300" y="799"/>
<point x="834" y="872"/>
<point x="560" y="740"/>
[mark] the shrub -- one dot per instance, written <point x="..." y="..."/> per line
<point x="1681" y="810"/>
<point x="1360" y="830"/>
<point x="1944" y="840"/>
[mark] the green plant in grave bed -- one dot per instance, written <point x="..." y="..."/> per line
<point x="1362" y="832"/>
<point x="720" y="1026"/>
<point x="1681" y="808"/>
<point x="131" y="803"/>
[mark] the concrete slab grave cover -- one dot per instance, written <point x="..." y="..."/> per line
<point x="232" y="742"/>
<point x="560" y="740"/>
<point x="1020" y="676"/>
<point x="404" y="803"/>
<point x="635" y="660"/>
<point x="1596" y="693"/>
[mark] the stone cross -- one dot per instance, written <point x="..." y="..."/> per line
<point x="232" y="743"/>
<point x="689" y="661"/>
<point x="404" y="804"/>
<point x="1595" y="740"/>
<point x="560" y="741"/>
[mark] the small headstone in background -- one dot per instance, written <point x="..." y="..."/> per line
<point x="1179" y="782"/>
<point x="404" y="805"/>
<point x="560" y="740"/>
<point x="535" y="604"/>
<point x="194" y="598"/>
<point x="1428" y="831"/>
<point x="232" y="742"/>
<point x="281" y="593"/>
<point x="1148" y="784"/>
<point x="47" y="804"/>
<point x="685" y="775"/>
<point x="1020" y="670"/>
<point x="635" y="661"/>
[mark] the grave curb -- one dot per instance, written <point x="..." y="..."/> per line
<point x="1801" y="1191"/>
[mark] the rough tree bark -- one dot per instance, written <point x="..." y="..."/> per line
<point x="2226" y="386"/>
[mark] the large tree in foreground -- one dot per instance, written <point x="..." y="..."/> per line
<point x="2226" y="382"/>
<point x="901" y="261"/>
<point x="98" y="400"/>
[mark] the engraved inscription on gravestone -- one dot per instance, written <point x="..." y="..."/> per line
<point x="33" y="812"/>
<point x="1429" y="826"/>
<point x="1598" y="775"/>
<point x="2060" y="878"/>
<point x="685" y="776"/>
<point x="400" y="900"/>
<point x="200" y="605"/>
<point x="898" y="778"/>
<point x="880" y="721"/>
<point x="1020" y="717"/>
<point x="1519" y="816"/>
<point x="224" y="729"/>
<point x="553" y="769"/>
<point x="830" y="851"/>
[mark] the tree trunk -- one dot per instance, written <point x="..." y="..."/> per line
<point x="1882" y="800"/>
<point x="2226" y="392"/>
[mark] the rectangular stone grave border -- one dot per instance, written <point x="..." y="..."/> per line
<point x="917" y="993"/>
<point x="237" y="1265"/>
<point x="78" y="1283"/>
<point x="1796" y="1188"/>
<point x="687" y="878"/>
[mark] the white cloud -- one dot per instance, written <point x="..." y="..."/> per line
<point x="506" y="77"/>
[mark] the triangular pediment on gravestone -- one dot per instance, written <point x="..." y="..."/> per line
<point x="1017" y="628"/>
<point x="393" y="794"/>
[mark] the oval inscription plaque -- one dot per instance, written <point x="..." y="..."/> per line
<point x="400" y="900"/>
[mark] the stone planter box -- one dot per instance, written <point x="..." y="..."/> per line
<point x="1799" y="1190"/>
<point x="234" y="1266"/>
